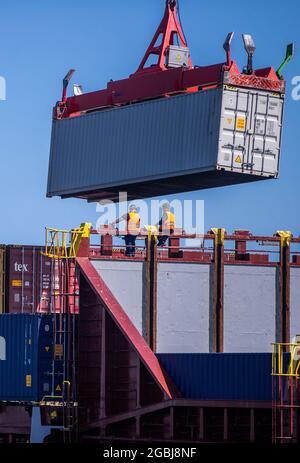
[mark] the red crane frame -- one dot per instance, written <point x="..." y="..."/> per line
<point x="159" y="80"/>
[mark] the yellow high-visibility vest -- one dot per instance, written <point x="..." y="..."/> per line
<point x="133" y="222"/>
<point x="167" y="223"/>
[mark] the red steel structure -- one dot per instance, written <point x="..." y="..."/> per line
<point x="123" y="393"/>
<point x="158" y="80"/>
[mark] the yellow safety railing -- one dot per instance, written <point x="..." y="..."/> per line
<point x="64" y="244"/>
<point x="219" y="235"/>
<point x="281" y="367"/>
<point x="152" y="231"/>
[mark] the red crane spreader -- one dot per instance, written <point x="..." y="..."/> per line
<point x="167" y="78"/>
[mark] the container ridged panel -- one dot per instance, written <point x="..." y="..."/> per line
<point x="221" y="376"/>
<point x="144" y="141"/>
<point x="19" y="357"/>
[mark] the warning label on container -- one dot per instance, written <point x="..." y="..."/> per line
<point x="238" y="159"/>
<point x="16" y="282"/>
<point x="28" y="380"/>
<point x="241" y="123"/>
<point x="58" y="349"/>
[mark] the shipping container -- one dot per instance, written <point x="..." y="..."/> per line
<point x="221" y="376"/>
<point x="36" y="283"/>
<point x="201" y="140"/>
<point x="2" y="278"/>
<point x="27" y="370"/>
<point x="34" y="355"/>
<point x="28" y="279"/>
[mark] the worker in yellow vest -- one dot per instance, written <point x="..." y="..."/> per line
<point x="133" y="224"/>
<point x="166" y="225"/>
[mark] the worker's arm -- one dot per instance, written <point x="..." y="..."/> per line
<point x="163" y="219"/>
<point x="120" y="219"/>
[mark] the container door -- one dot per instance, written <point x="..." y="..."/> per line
<point x="235" y="128"/>
<point x="250" y="131"/>
<point x="21" y="281"/>
<point x="266" y="124"/>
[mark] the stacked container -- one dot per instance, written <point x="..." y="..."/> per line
<point x="31" y="282"/>
<point x="27" y="370"/>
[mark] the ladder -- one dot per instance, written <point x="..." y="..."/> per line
<point x="286" y="393"/>
<point x="62" y="247"/>
<point x="64" y="342"/>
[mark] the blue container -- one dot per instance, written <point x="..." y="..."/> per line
<point x="225" y="376"/>
<point x="27" y="372"/>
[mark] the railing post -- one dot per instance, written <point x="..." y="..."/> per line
<point x="284" y="286"/>
<point x="151" y="292"/>
<point x="218" y="291"/>
<point x="174" y="247"/>
<point x="106" y="242"/>
<point x="241" y="245"/>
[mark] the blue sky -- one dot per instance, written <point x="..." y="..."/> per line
<point x="40" y="41"/>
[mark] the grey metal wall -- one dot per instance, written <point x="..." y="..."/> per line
<point x="183" y="308"/>
<point x="125" y="280"/>
<point x="295" y="301"/>
<point x="184" y="319"/>
<point x="135" y="143"/>
<point x="249" y="308"/>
